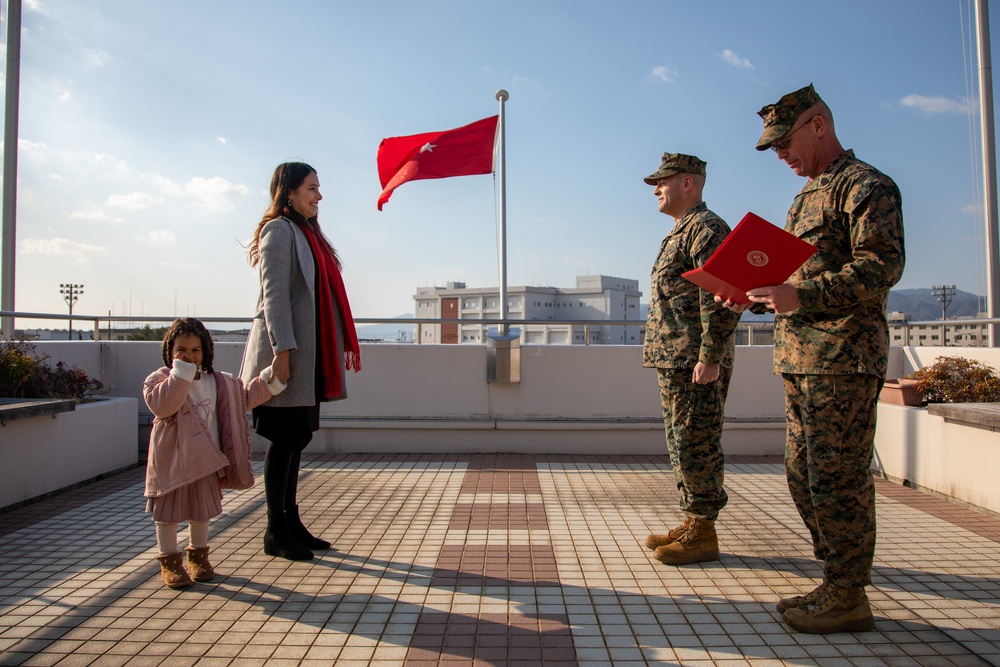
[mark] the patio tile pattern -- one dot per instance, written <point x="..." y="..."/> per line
<point x="487" y="560"/>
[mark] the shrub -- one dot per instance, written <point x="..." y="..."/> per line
<point x="25" y="374"/>
<point x="957" y="380"/>
<point x="147" y="333"/>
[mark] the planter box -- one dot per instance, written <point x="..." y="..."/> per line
<point x="23" y="408"/>
<point x="45" y="453"/>
<point x="901" y="392"/>
<point x="956" y="459"/>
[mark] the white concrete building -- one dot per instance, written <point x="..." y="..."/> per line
<point x="953" y="332"/>
<point x="593" y="298"/>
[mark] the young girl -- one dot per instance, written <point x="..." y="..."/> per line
<point x="199" y="445"/>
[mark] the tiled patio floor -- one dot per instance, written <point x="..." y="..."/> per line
<point x="487" y="560"/>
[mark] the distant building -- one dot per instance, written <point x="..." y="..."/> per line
<point x="953" y="332"/>
<point x="218" y="336"/>
<point x="594" y="298"/>
<point x="53" y="334"/>
<point x="754" y="332"/>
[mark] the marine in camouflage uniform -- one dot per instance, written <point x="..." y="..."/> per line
<point x="831" y="345"/>
<point x="689" y="340"/>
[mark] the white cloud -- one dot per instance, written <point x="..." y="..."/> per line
<point x="157" y="236"/>
<point x="662" y="73"/>
<point x="134" y="200"/>
<point x="935" y="104"/>
<point x="59" y="88"/>
<point x="59" y="247"/>
<point x="735" y="60"/>
<point x="164" y="185"/>
<point x="96" y="57"/>
<point x="222" y="140"/>
<point x="117" y="165"/>
<point x="34" y="5"/>
<point x="90" y="214"/>
<point x="215" y="193"/>
<point x="32" y="148"/>
<point x="95" y="215"/>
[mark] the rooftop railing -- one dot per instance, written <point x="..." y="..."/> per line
<point x="109" y="322"/>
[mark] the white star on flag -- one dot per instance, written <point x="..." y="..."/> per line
<point x="428" y="148"/>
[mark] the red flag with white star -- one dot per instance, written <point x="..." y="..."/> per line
<point x="463" y="151"/>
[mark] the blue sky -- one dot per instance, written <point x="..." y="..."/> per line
<point x="149" y="132"/>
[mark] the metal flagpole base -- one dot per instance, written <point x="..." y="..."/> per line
<point x="503" y="356"/>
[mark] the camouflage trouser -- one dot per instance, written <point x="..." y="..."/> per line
<point x="692" y="420"/>
<point x="828" y="456"/>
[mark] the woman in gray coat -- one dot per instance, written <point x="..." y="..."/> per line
<point x="304" y="330"/>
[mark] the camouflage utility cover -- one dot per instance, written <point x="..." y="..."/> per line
<point x="781" y="116"/>
<point x="676" y="163"/>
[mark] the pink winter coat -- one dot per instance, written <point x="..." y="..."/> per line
<point x="181" y="449"/>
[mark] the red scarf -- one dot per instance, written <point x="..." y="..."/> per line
<point x="330" y="278"/>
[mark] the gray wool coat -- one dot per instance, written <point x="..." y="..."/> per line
<point x="285" y="317"/>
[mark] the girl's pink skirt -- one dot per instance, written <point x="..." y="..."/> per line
<point x="198" y="501"/>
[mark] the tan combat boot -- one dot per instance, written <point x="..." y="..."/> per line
<point x="663" y="539"/>
<point x="173" y="572"/>
<point x="198" y="565"/>
<point x="812" y="597"/>
<point x="838" y="610"/>
<point x="698" y="544"/>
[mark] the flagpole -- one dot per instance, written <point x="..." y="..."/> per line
<point x="989" y="159"/>
<point x="9" y="214"/>
<point x="502" y="96"/>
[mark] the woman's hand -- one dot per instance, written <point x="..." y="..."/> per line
<point x="280" y="367"/>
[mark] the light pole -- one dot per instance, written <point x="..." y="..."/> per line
<point x="71" y="292"/>
<point x="944" y="294"/>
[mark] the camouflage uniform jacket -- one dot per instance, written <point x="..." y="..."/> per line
<point x="853" y="214"/>
<point x="685" y="325"/>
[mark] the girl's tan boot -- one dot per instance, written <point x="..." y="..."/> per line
<point x="173" y="572"/>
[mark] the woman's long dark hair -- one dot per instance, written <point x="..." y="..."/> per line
<point x="287" y="177"/>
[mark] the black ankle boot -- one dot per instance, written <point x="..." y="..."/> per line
<point x="302" y="534"/>
<point x="278" y="540"/>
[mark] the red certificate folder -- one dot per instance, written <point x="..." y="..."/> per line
<point x="755" y="254"/>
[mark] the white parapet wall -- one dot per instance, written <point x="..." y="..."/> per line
<point x="435" y="398"/>
<point x="47" y="453"/>
<point x="953" y="459"/>
<point x="570" y="399"/>
<point x="573" y="399"/>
